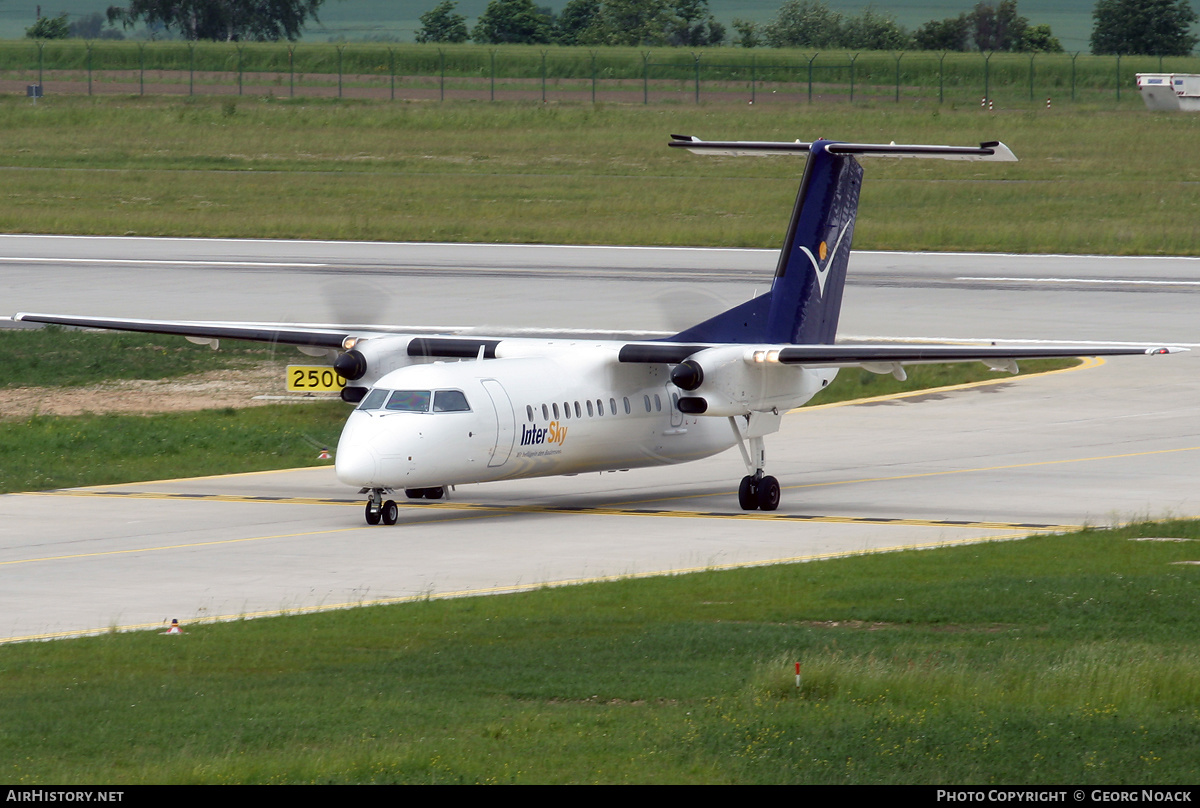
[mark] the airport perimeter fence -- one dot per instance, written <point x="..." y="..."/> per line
<point x="556" y="74"/>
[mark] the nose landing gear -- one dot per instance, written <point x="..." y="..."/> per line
<point x="378" y="510"/>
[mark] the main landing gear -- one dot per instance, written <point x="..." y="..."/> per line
<point x="757" y="491"/>
<point x="387" y="511"/>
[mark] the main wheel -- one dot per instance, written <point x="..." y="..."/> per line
<point x="768" y="493"/>
<point x="747" y="496"/>
<point x="435" y="493"/>
<point x="372" y="515"/>
<point x="389" y="512"/>
<point x="414" y="493"/>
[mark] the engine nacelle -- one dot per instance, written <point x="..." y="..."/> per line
<point x="369" y="360"/>
<point x="740" y="379"/>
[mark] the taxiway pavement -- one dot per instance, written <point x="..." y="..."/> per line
<point x="1115" y="441"/>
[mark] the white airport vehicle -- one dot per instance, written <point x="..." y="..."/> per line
<point x="437" y="410"/>
<point x="1170" y="92"/>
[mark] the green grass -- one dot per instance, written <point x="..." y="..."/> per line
<point x="583" y="174"/>
<point x="1061" y="659"/>
<point x="56" y="357"/>
<point x="44" y="451"/>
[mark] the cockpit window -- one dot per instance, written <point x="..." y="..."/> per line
<point x="374" y="400"/>
<point x="450" y="401"/>
<point x="409" y="401"/>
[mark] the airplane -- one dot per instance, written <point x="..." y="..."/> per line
<point x="438" y="410"/>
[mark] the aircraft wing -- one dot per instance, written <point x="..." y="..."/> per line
<point x="315" y="335"/>
<point x="834" y="356"/>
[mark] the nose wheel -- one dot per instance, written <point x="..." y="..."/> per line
<point x="378" y="510"/>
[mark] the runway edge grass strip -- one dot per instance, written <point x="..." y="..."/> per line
<point x="1028" y="661"/>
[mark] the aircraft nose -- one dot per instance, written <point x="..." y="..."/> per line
<point x="356" y="461"/>
<point x="356" y="465"/>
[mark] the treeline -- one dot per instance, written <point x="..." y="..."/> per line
<point x="689" y="23"/>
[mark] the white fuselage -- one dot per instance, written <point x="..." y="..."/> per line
<point x="543" y="408"/>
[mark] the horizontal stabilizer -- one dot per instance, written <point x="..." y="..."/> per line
<point x="993" y="150"/>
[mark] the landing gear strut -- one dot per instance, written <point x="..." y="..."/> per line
<point x="378" y="510"/>
<point x="757" y="491"/>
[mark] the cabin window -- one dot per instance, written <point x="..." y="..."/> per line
<point x="628" y="409"/>
<point x="409" y="401"/>
<point x="599" y="407"/>
<point x="545" y="413"/>
<point x="657" y="403"/>
<point x="567" y="409"/>
<point x="647" y="398"/>
<point x="590" y="411"/>
<point x="675" y="400"/>
<point x="578" y="412"/>
<point x="529" y="412"/>
<point x="450" y="401"/>
<point x="374" y="400"/>
<point x="556" y="416"/>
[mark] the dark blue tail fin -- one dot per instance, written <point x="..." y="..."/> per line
<point x="806" y="296"/>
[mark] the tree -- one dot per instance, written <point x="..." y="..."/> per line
<point x="580" y="23"/>
<point x="1039" y="39"/>
<point x="873" y="31"/>
<point x="1150" y="27"/>
<point x="636" y="22"/>
<point x="693" y="26"/>
<point x="950" y="34"/>
<point x="512" y="21"/>
<point x="442" y="24"/>
<point x="804" y="24"/>
<point x="997" y="28"/>
<point x="748" y="35"/>
<point x="224" y="20"/>
<point x="49" y="28"/>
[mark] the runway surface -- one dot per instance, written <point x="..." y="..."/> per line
<point x="1110" y="442"/>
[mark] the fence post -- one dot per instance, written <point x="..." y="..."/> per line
<point x="492" y="54"/>
<point x="941" y="78"/>
<point x="340" y="48"/>
<point x="1118" y="78"/>
<point x="89" y="66"/>
<point x="1031" y="75"/>
<point x="40" y="46"/>
<point x="239" y="53"/>
<point x="696" y="60"/>
<point x="191" y="68"/>
<point x="810" y="61"/>
<point x="141" y="68"/>
<point x="392" y="71"/>
<point x="543" y="76"/>
<point x="853" y="59"/>
<point x="898" y="58"/>
<point x="291" y="71"/>
<point x="987" y="78"/>
<point x="442" y="70"/>
<point x="593" y="55"/>
<point x="753" y="77"/>
<point x="646" y="77"/>
<point x="1073" y="58"/>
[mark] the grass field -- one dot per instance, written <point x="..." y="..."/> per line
<point x="1058" y="659"/>
<point x="578" y="174"/>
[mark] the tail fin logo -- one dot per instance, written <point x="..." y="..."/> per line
<point x="822" y="273"/>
